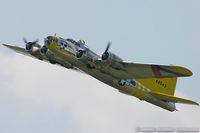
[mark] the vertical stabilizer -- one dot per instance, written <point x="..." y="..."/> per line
<point x="162" y="85"/>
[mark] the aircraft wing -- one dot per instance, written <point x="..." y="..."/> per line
<point x="170" y="98"/>
<point x="124" y="70"/>
<point x="18" y="50"/>
<point x="24" y="52"/>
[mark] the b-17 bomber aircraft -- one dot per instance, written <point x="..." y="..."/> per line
<point x="155" y="84"/>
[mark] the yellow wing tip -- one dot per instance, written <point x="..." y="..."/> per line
<point x="184" y="71"/>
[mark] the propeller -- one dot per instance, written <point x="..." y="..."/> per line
<point x="29" y="45"/>
<point x="105" y="55"/>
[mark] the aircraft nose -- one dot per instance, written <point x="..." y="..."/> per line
<point x="51" y="42"/>
<point x="48" y="41"/>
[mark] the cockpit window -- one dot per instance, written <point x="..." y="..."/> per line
<point x="74" y="42"/>
<point x="48" y="40"/>
<point x="62" y="42"/>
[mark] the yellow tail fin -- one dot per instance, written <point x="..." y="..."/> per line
<point x="162" y="85"/>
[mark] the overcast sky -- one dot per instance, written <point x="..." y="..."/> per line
<point x="40" y="97"/>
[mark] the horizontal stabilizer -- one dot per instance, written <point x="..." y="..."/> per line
<point x="170" y="98"/>
<point x="156" y="71"/>
<point x="126" y="70"/>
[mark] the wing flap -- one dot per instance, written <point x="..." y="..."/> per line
<point x="170" y="98"/>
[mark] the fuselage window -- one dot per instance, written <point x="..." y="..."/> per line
<point x="133" y="82"/>
<point x="62" y="43"/>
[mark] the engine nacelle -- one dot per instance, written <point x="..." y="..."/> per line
<point x="82" y="55"/>
<point x="79" y="53"/>
<point x="111" y="57"/>
<point x="34" y="49"/>
<point x="43" y="50"/>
